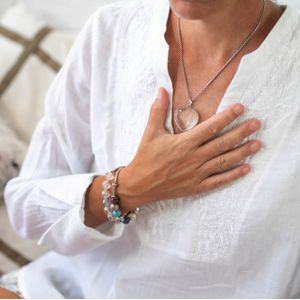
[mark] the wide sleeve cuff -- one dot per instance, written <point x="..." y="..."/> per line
<point x="69" y="235"/>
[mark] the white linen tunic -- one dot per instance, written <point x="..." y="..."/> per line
<point x="242" y="240"/>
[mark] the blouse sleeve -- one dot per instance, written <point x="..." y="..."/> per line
<point x="46" y="201"/>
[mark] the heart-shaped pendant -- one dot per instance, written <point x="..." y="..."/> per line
<point x="186" y="118"/>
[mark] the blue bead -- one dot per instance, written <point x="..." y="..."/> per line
<point x="126" y="220"/>
<point x="116" y="213"/>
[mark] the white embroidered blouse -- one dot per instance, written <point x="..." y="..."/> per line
<point x="242" y="240"/>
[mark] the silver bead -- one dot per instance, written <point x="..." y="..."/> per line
<point x="106" y="209"/>
<point x="110" y="218"/>
<point x="110" y="176"/>
<point x="114" y="207"/>
<point x="104" y="193"/>
<point x="105" y="184"/>
<point x="132" y="216"/>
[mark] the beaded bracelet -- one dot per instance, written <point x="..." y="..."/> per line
<point x="111" y="201"/>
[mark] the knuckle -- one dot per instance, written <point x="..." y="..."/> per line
<point x="222" y="144"/>
<point x="211" y="129"/>
<point x="222" y="163"/>
<point x="219" y="181"/>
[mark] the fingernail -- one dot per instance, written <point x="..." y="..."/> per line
<point x="159" y="94"/>
<point x="254" y="125"/>
<point x="254" y="147"/>
<point x="238" y="109"/>
<point x="246" y="169"/>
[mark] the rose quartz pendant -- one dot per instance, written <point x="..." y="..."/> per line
<point x="186" y="117"/>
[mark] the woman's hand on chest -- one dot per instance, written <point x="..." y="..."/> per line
<point x="169" y="166"/>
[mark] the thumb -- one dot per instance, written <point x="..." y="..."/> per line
<point x="158" y="112"/>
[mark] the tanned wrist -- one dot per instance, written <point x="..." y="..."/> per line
<point x="129" y="196"/>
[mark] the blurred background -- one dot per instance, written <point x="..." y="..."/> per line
<point x="35" y="37"/>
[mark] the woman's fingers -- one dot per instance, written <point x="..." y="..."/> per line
<point x="227" y="177"/>
<point x="228" y="140"/>
<point x="215" y="124"/>
<point x="226" y="161"/>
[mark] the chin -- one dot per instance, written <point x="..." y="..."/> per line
<point x="193" y="9"/>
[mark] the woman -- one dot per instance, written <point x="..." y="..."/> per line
<point x="207" y="225"/>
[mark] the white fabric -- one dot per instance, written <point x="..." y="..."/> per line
<point x="23" y="102"/>
<point x="54" y="12"/>
<point x="294" y="3"/>
<point x="242" y="240"/>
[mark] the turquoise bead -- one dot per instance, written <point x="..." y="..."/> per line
<point x="116" y="213"/>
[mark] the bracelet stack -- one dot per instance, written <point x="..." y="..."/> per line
<point x="111" y="201"/>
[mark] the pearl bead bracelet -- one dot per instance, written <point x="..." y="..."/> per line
<point x="111" y="201"/>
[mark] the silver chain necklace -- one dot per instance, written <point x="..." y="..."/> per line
<point x="187" y="117"/>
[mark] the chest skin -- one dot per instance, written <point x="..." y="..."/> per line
<point x="201" y="70"/>
<point x="206" y="104"/>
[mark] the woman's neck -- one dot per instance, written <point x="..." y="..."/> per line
<point x="220" y="31"/>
